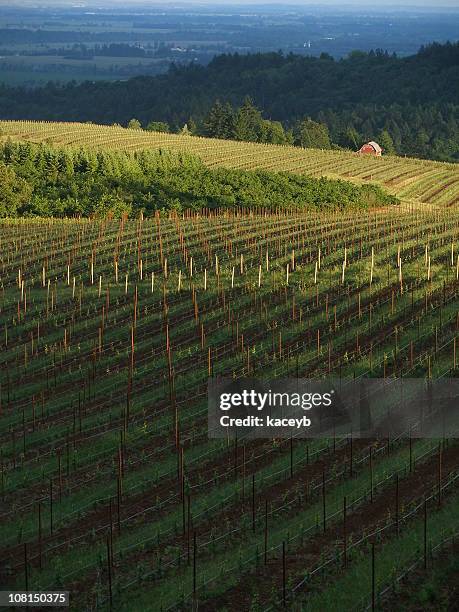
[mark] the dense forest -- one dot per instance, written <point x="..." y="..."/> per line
<point x="411" y="104"/>
<point x="46" y="181"/>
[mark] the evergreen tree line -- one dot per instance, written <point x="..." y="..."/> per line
<point x="247" y="123"/>
<point x="436" y="135"/>
<point x="223" y="121"/>
<point x="40" y="180"/>
<point x="411" y="103"/>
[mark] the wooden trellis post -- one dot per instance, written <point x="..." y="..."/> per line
<point x="372" y="266"/>
<point x="373" y="579"/>
<point x="284" y="577"/>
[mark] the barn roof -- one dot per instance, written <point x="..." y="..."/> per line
<point x="375" y="146"/>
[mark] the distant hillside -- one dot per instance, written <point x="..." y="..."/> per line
<point x="418" y="181"/>
<point x="414" y="98"/>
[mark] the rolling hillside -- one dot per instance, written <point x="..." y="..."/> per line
<point x="419" y="181"/>
<point x="112" y="484"/>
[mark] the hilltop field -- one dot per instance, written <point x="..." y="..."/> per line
<point x="419" y="182"/>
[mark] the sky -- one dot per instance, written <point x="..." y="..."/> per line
<point x="430" y="4"/>
<point x="427" y="4"/>
<point x="363" y="3"/>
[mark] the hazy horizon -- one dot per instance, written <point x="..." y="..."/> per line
<point x="362" y="3"/>
<point x="304" y="3"/>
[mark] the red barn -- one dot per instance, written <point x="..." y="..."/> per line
<point x="371" y="148"/>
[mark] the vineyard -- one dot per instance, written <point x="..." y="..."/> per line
<point x="110" y="487"/>
<point x="418" y="181"/>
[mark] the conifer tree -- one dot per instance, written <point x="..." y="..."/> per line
<point x="314" y="135"/>
<point x="249" y="122"/>
<point x="387" y="143"/>
<point x="219" y="123"/>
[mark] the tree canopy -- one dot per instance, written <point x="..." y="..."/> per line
<point x="47" y="181"/>
<point x="413" y="99"/>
